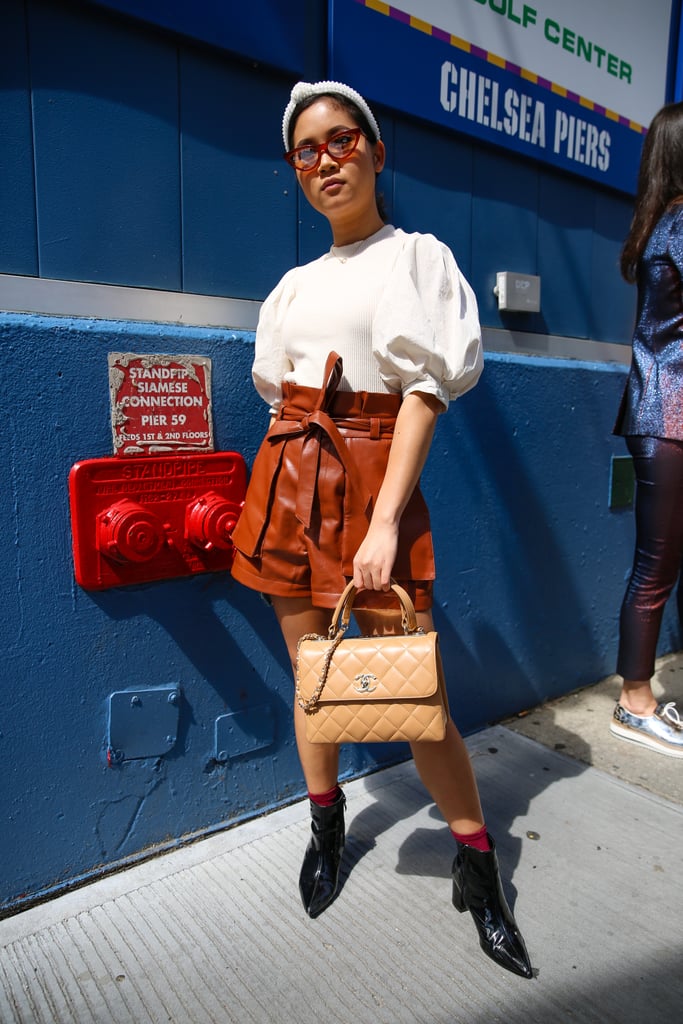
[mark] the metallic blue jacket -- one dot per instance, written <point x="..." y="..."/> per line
<point x="652" y="403"/>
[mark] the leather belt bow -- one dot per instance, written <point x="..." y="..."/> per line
<point x="291" y="424"/>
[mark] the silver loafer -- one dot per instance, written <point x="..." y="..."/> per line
<point x="662" y="731"/>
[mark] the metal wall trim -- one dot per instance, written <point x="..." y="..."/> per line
<point x="115" y="302"/>
<point x="555" y="347"/>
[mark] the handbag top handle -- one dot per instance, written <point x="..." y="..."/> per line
<point x="345" y="604"/>
<point x="338" y="628"/>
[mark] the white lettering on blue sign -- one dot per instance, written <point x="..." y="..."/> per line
<point x="580" y="141"/>
<point x="477" y="98"/>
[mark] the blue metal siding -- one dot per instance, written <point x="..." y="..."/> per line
<point x="107" y="167"/>
<point x="433" y="185"/>
<point x="18" y="250"/>
<point x="504" y="230"/>
<point x="612" y="309"/>
<point x="153" y="171"/>
<point x="273" y="31"/>
<point x="565" y="254"/>
<point x="239" y="196"/>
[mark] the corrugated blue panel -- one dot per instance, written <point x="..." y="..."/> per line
<point x="504" y="230"/>
<point x="565" y="260"/>
<point x="18" y="252"/>
<point x="107" y="165"/>
<point x="613" y="303"/>
<point x="272" y="30"/>
<point x="239" y="197"/>
<point x="433" y="182"/>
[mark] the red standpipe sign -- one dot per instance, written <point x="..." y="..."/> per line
<point x="160" y="403"/>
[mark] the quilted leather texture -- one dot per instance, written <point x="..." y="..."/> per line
<point x="401" y="697"/>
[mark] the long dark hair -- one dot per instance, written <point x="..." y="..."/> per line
<point x="660" y="182"/>
<point x="353" y="111"/>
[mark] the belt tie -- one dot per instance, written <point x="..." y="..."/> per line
<point x="316" y="421"/>
<point x="312" y="424"/>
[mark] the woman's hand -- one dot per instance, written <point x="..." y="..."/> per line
<point x="374" y="561"/>
<point x="375" y="557"/>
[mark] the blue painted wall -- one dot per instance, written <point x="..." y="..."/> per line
<point x="129" y="158"/>
<point x="532" y="564"/>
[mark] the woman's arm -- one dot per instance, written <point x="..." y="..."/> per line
<point x="413" y="434"/>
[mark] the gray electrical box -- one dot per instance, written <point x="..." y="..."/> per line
<point x="518" y="292"/>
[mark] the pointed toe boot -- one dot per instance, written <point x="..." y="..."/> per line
<point x="319" y="878"/>
<point x="477" y="888"/>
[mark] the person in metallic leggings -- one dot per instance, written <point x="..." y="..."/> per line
<point x="651" y="420"/>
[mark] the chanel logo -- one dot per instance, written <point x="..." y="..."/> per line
<point x="365" y="681"/>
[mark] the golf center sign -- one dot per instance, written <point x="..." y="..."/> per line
<point x="573" y="85"/>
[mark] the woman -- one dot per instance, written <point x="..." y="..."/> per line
<point x="651" y="419"/>
<point x="388" y="326"/>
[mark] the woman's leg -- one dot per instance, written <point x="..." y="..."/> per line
<point x="319" y="876"/>
<point x="444" y="768"/>
<point x="446" y="771"/>
<point x="659" y="543"/>
<point x="319" y="761"/>
<point x="658" y="466"/>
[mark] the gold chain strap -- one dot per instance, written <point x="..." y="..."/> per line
<point x="306" y="705"/>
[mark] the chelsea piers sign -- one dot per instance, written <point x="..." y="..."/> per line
<point x="573" y="85"/>
<point x="521" y="115"/>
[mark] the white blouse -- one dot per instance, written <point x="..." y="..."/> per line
<point x="395" y="307"/>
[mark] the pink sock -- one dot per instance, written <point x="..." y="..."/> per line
<point x="325" y="799"/>
<point x="479" y="840"/>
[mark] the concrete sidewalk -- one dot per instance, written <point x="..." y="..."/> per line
<point x="578" y="724"/>
<point x="215" y="933"/>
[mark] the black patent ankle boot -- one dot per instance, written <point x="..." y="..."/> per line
<point x="477" y="888"/>
<point x="319" y="878"/>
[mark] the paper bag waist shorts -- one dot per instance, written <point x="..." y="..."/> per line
<point x="310" y="498"/>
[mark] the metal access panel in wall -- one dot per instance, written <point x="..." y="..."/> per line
<point x="142" y="723"/>
<point x="244" y="732"/>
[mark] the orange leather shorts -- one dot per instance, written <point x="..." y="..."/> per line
<point x="310" y="497"/>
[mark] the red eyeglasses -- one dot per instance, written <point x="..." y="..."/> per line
<point x="339" y="147"/>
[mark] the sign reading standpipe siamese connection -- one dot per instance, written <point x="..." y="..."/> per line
<point x="160" y="403"/>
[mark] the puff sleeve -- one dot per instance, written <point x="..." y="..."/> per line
<point x="270" y="359"/>
<point x="426" y="333"/>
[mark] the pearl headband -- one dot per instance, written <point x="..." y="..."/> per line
<point x="304" y="90"/>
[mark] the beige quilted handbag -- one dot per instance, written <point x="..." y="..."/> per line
<point x="371" y="689"/>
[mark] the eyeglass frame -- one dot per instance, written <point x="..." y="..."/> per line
<point x="323" y="148"/>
